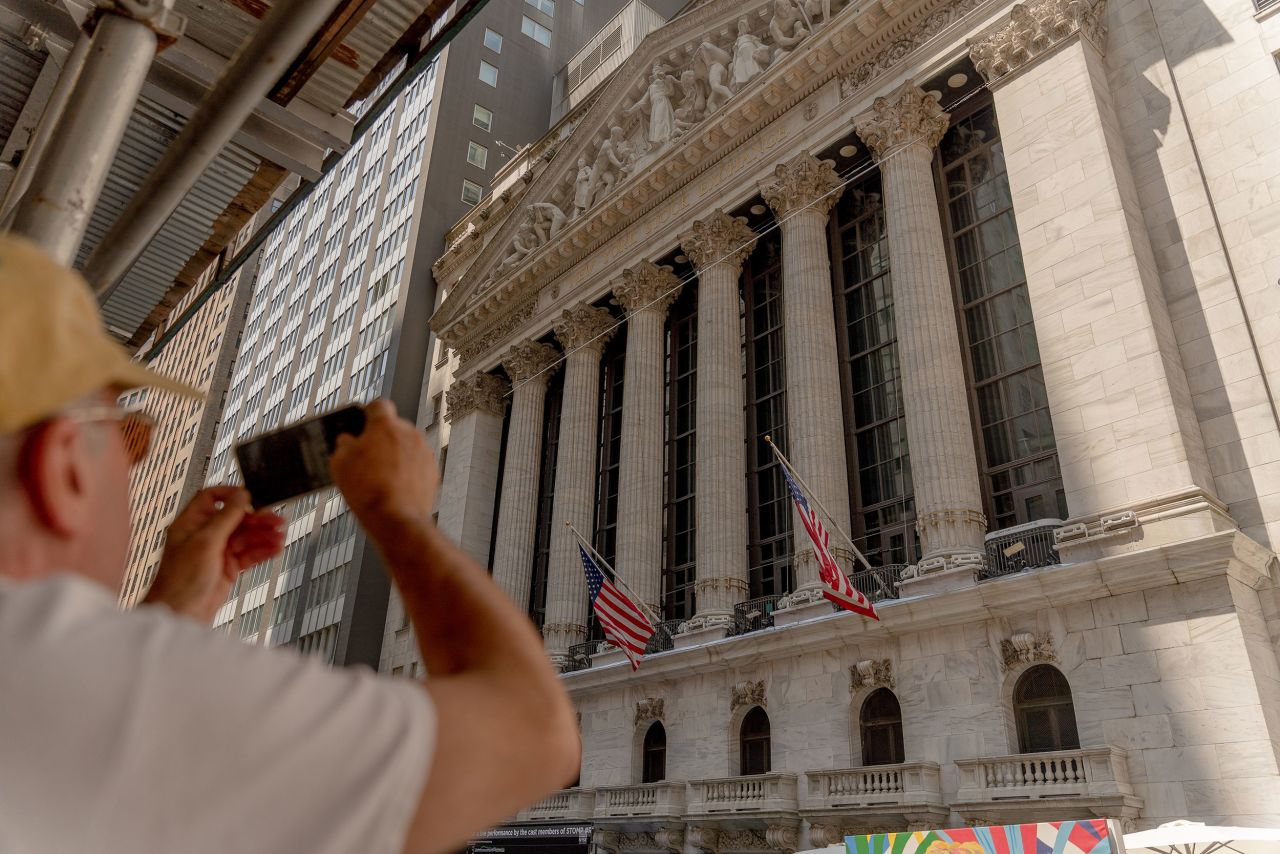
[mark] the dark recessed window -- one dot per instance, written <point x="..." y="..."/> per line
<point x="881" y="726"/>
<point x="655" y="753"/>
<point x="680" y="571"/>
<point x="755" y="755"/>
<point x="1045" y="714"/>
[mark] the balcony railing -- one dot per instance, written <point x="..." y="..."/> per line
<point x="566" y="805"/>
<point x="754" y="614"/>
<point x="580" y="656"/>
<point x="750" y="794"/>
<point x="907" y="784"/>
<point x="663" y="636"/>
<point x="1094" y="773"/>
<point x="656" y="800"/>
<point x="879" y="582"/>
<point x="1024" y="547"/>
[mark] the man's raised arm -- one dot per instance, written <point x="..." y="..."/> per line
<point x="507" y="734"/>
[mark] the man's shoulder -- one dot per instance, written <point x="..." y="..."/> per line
<point x="36" y="607"/>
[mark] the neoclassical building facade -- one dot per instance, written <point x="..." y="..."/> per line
<point x="1000" y="279"/>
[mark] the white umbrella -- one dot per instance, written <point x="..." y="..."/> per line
<point x="1191" y="837"/>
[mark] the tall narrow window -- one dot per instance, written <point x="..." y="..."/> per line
<point x="609" y="456"/>
<point x="488" y="73"/>
<point x="1021" y="479"/>
<point x="755" y="754"/>
<point x="1044" y="712"/>
<point x="477" y="155"/>
<point x="481" y="117"/>
<point x="881" y="727"/>
<point x="768" y="505"/>
<point x="655" y="754"/>
<point x="682" y="376"/>
<point x="875" y="423"/>
<point x="546" y="497"/>
<point x="471" y="192"/>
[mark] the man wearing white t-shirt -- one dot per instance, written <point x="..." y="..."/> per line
<point x="143" y="731"/>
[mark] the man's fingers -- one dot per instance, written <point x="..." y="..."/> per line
<point x="380" y="409"/>
<point x="201" y="507"/>
<point x="224" y="523"/>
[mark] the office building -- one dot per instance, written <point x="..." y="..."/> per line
<point x="1000" y="279"/>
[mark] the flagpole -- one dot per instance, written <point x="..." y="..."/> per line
<point x="816" y="500"/>
<point x="616" y="577"/>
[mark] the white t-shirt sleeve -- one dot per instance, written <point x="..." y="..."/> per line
<point x="143" y="731"/>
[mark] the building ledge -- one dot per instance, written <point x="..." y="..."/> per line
<point x="1088" y="782"/>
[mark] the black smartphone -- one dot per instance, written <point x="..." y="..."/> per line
<point x="294" y="460"/>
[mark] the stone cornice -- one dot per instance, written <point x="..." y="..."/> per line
<point x="647" y="286"/>
<point x="478" y="392"/>
<point x="718" y="239"/>
<point x="870" y="40"/>
<point x="909" y="116"/>
<point x="530" y="360"/>
<point x="1224" y="554"/>
<point x="804" y="181"/>
<point x="1032" y="30"/>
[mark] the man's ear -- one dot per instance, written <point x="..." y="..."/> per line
<point x="52" y="469"/>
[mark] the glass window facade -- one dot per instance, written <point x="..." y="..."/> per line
<point x="1016" y="445"/>
<point x="769" y="507"/>
<point x="875" y="422"/>
<point x="679" y="575"/>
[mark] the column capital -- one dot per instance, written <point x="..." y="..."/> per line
<point x="1034" y="28"/>
<point x="647" y="286"/>
<point x="803" y="182"/>
<point x="909" y="116"/>
<point x="483" y="392"/>
<point x="530" y="361"/>
<point x="584" y="326"/>
<point x="718" y="239"/>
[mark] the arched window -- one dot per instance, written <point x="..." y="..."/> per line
<point x="755" y="753"/>
<point x="655" y="754"/>
<point x="881" y="721"/>
<point x="1045" y="714"/>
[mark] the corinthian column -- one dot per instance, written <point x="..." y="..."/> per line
<point x="529" y="365"/>
<point x="582" y="332"/>
<point x="717" y="246"/>
<point x="802" y="194"/>
<point x="646" y="292"/>
<point x="902" y="131"/>
<point x="474" y="413"/>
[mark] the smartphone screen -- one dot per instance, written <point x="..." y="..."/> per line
<point x="294" y="460"/>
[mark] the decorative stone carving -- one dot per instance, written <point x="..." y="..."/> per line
<point x="718" y="239"/>
<point x="811" y="10"/>
<point x="669" y="839"/>
<point x="871" y="674"/>
<point x="530" y="360"/>
<point x="807" y="596"/>
<point x="693" y="98"/>
<point x="483" y="392"/>
<point x="939" y="526"/>
<point x="581" y="188"/>
<point x="1026" y="648"/>
<point x="471" y="346"/>
<point x="703" y="838"/>
<point x="647" y="286"/>
<point x="656" y="106"/>
<point x="823" y="835"/>
<point x="1034" y="28"/>
<point x="704" y="621"/>
<point x="747" y="694"/>
<point x="782" y="837"/>
<point x="1118" y="521"/>
<point x="743" y="839"/>
<point x="712" y="63"/>
<point x="584" y="326"/>
<point x="607" y="841"/>
<point x="803" y="182"/>
<point x="750" y="56"/>
<point x="896" y="52"/>
<point x="547" y="220"/>
<point x="640" y="841"/>
<point x="909" y="117"/>
<point x="649" y="709"/>
<point x="788" y="27"/>
<point x="612" y="162"/>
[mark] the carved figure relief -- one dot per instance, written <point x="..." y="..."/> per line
<point x="871" y="674"/>
<point x="656" y="106"/>
<point x="693" y="100"/>
<point x="581" y="188"/>
<point x="750" y="56"/>
<point x="713" y="64"/>
<point x="787" y="27"/>
<point x="613" y="159"/>
<point x="547" y="220"/>
<point x="649" y="709"/>
<point x="747" y="694"/>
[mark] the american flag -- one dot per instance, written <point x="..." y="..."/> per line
<point x="624" y="623"/>
<point x="839" y="589"/>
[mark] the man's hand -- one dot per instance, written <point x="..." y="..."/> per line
<point x="387" y="474"/>
<point x="209" y="544"/>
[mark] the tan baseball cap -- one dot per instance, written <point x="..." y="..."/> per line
<point x="54" y="348"/>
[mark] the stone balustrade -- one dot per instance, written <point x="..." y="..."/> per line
<point x="758" y="793"/>
<point x="645" y="800"/>
<point x="907" y="784"/>
<point x="1092" y="777"/>
<point x="567" y="805"/>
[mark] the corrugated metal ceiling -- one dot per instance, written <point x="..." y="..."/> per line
<point x="19" y="68"/>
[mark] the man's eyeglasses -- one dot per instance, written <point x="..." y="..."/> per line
<point x="136" y="426"/>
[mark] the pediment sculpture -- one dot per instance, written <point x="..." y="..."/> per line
<point x="645" y="125"/>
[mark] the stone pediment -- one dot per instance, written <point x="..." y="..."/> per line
<point x="686" y="96"/>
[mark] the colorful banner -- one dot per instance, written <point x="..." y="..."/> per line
<point x="1054" y="837"/>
